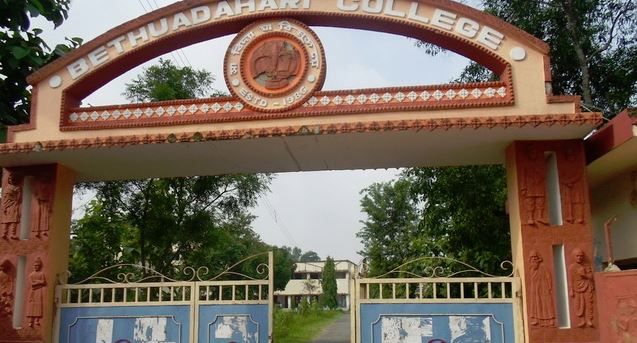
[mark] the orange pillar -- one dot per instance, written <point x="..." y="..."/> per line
<point x="35" y="219"/>
<point x="552" y="240"/>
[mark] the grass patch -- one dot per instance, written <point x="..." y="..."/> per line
<point x="301" y="325"/>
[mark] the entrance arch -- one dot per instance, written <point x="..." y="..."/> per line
<point x="386" y="127"/>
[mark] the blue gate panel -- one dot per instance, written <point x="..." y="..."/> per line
<point x="125" y="324"/>
<point x="437" y="323"/>
<point x="233" y="323"/>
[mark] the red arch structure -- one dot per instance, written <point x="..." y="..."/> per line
<point x="513" y="121"/>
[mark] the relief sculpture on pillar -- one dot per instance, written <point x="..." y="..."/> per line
<point x="11" y="202"/>
<point x="572" y="190"/>
<point x="41" y="208"/>
<point x="541" y="304"/>
<point x="533" y="188"/>
<point x="6" y="288"/>
<point x="624" y="325"/>
<point x="582" y="288"/>
<point x="37" y="290"/>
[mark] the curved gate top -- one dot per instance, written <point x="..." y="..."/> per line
<point x="519" y="106"/>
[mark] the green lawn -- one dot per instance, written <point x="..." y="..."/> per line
<point x="301" y="326"/>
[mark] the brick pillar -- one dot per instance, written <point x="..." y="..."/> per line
<point x="552" y="240"/>
<point x="35" y="217"/>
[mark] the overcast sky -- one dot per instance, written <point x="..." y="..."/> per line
<point x="328" y="218"/>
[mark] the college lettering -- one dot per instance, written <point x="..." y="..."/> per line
<point x="440" y="19"/>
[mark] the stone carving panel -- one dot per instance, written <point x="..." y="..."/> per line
<point x="624" y="323"/>
<point x="572" y="189"/>
<point x="582" y="289"/>
<point x="11" y="203"/>
<point x="7" y="286"/>
<point x="37" y="293"/>
<point x="41" y="207"/>
<point x="540" y="296"/>
<point x="533" y="187"/>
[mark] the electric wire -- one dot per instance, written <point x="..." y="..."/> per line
<point x="278" y="221"/>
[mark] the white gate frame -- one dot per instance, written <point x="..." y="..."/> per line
<point x="193" y="292"/>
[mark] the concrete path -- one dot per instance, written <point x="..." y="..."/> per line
<point x="337" y="332"/>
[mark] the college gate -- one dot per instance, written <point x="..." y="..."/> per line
<point x="278" y="119"/>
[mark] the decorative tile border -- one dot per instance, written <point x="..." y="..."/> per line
<point x="592" y="119"/>
<point x="229" y="109"/>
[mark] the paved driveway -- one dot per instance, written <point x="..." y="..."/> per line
<point x="337" y="332"/>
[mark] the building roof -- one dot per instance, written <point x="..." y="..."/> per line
<point x="612" y="149"/>
<point x="317" y="267"/>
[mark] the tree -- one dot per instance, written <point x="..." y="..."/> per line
<point x="455" y="212"/>
<point x="328" y="282"/>
<point x="167" y="81"/>
<point x="593" y="45"/>
<point x="22" y="51"/>
<point x="309" y="256"/>
<point x="390" y="233"/>
<point x="165" y="224"/>
<point x="463" y="213"/>
<point x="168" y="224"/>
<point x="283" y="266"/>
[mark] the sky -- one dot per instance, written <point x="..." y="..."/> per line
<point x="328" y="218"/>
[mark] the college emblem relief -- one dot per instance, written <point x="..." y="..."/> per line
<point x="275" y="65"/>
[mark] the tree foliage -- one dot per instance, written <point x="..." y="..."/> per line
<point x="168" y="223"/>
<point x="329" y="297"/>
<point x="463" y="213"/>
<point x="309" y="256"/>
<point x="284" y="261"/>
<point x="167" y="81"/>
<point x="390" y="234"/>
<point x="593" y="45"/>
<point x="456" y="212"/>
<point x="22" y="51"/>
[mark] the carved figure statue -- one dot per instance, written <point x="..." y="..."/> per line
<point x="275" y="62"/>
<point x="533" y="188"/>
<point x="6" y="288"/>
<point x="11" y="202"/>
<point x="541" y="305"/>
<point x="582" y="288"/>
<point x="571" y="188"/>
<point x="625" y="323"/>
<point x="41" y="209"/>
<point x="37" y="283"/>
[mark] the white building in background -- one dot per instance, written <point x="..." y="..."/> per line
<point x="306" y="284"/>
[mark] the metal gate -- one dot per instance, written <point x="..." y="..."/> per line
<point x="440" y="305"/>
<point x="230" y="307"/>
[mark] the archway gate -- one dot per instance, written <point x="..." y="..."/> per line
<point x="279" y="119"/>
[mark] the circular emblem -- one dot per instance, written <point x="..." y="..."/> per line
<point x="275" y="65"/>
